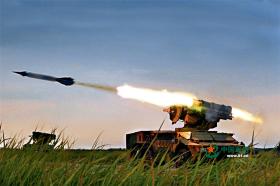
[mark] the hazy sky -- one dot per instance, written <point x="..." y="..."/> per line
<point x="221" y="51"/>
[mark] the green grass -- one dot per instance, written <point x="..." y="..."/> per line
<point x="60" y="167"/>
<point x="116" y="167"/>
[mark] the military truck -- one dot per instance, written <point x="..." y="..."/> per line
<point x="40" y="141"/>
<point x="194" y="138"/>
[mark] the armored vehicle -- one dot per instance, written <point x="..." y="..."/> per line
<point x="194" y="138"/>
<point x="41" y="141"/>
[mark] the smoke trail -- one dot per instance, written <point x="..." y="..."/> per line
<point x="97" y="86"/>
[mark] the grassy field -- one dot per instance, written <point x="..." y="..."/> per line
<point x="64" y="166"/>
<point x="69" y="167"/>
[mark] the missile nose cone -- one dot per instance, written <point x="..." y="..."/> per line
<point x="23" y="73"/>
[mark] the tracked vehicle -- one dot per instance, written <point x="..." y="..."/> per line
<point x="194" y="138"/>
<point x="41" y="141"/>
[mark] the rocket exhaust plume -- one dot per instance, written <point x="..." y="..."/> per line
<point x="162" y="98"/>
<point x="244" y="115"/>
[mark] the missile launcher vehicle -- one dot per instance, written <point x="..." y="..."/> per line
<point x="41" y="141"/>
<point x="194" y="138"/>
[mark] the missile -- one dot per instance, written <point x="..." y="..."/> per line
<point x="67" y="81"/>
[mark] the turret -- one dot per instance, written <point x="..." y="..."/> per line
<point x="202" y="115"/>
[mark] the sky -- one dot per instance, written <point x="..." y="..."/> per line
<point x="221" y="51"/>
